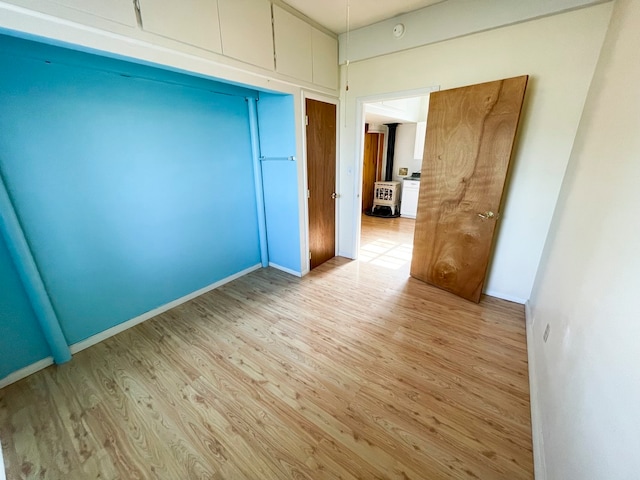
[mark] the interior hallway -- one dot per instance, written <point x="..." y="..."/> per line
<point x="355" y="371"/>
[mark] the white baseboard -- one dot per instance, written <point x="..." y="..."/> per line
<point x="2" y="475"/>
<point x="25" y="372"/>
<point x="99" y="337"/>
<point x="536" y="420"/>
<point x="528" y="314"/>
<point x="509" y="298"/>
<point x="285" y="269"/>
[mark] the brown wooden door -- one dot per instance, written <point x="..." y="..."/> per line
<point x="470" y="137"/>
<point x="371" y="167"/>
<point x="321" y="173"/>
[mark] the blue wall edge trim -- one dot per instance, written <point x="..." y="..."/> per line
<point x="257" y="175"/>
<point x="99" y="337"/>
<point x="30" y="276"/>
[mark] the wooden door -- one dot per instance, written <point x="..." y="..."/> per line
<point x="321" y="173"/>
<point x="470" y="137"/>
<point x="371" y="167"/>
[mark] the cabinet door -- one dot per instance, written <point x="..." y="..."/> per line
<point x="409" y="205"/>
<point x="293" y="45"/>
<point x="121" y="11"/>
<point x="245" y="27"/>
<point x="189" y="21"/>
<point x="325" y="59"/>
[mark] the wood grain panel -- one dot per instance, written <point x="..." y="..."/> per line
<point x="321" y="173"/>
<point x="469" y="142"/>
<point x="352" y="372"/>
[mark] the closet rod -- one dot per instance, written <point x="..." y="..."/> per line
<point x="271" y="159"/>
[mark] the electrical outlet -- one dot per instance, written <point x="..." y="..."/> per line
<point x="545" y="335"/>
<point x="403" y="171"/>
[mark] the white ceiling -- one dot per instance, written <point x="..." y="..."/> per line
<point x="332" y="14"/>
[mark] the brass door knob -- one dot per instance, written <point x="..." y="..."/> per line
<point x="487" y="215"/>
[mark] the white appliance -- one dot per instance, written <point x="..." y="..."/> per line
<point x="386" y="195"/>
<point x="410" y="191"/>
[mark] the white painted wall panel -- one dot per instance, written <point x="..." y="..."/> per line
<point x="587" y="373"/>
<point x="447" y="20"/>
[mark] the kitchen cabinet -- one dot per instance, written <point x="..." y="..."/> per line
<point x="246" y="31"/>
<point x="293" y="44"/>
<point x="325" y="59"/>
<point x="409" y="204"/>
<point x="194" y="22"/>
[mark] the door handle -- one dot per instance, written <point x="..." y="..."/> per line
<point x="487" y="215"/>
<point x="334" y="195"/>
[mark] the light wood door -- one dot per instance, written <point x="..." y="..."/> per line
<point x="470" y="137"/>
<point x="371" y="167"/>
<point x="321" y="173"/>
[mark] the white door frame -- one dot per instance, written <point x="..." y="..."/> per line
<point x="359" y="146"/>
<point x="333" y="101"/>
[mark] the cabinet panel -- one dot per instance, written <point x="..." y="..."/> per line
<point x="410" y="193"/>
<point x="120" y="11"/>
<point x="293" y="45"/>
<point x="189" y="21"/>
<point x="245" y="27"/>
<point x="325" y="59"/>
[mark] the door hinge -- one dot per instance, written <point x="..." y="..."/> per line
<point x="308" y="193"/>
<point x="306" y="120"/>
<point x="309" y="254"/>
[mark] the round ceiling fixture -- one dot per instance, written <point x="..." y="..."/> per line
<point x="398" y="30"/>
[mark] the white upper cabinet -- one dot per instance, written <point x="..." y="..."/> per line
<point x="294" y="52"/>
<point x="194" y="22"/>
<point x="246" y="31"/>
<point x="325" y="59"/>
<point x="120" y="11"/>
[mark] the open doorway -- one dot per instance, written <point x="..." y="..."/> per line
<point x="393" y="131"/>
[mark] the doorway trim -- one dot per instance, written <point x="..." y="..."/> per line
<point x="359" y="145"/>
<point x="307" y="94"/>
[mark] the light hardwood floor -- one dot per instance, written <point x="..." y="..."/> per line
<point x="355" y="371"/>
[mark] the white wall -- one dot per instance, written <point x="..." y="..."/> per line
<point x="588" y="373"/>
<point x="559" y="53"/>
<point x="444" y="21"/>
<point x="404" y="150"/>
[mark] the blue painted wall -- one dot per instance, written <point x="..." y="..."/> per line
<point x="276" y="121"/>
<point x="21" y="341"/>
<point x="134" y="185"/>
